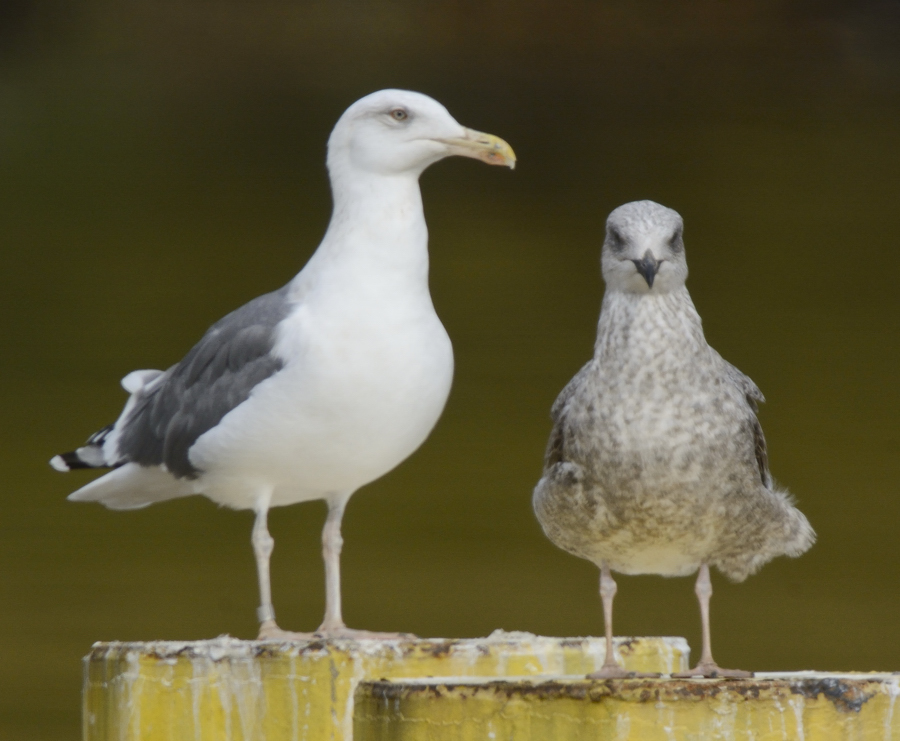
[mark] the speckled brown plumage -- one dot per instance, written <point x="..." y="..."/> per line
<point x="657" y="463"/>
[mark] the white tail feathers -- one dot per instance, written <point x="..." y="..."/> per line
<point x="136" y="380"/>
<point x="131" y="487"/>
<point x="59" y="463"/>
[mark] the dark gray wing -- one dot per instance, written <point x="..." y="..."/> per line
<point x="219" y="372"/>
<point x="754" y="397"/>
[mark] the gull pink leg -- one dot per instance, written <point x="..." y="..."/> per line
<point x="333" y="624"/>
<point x="707" y="667"/>
<point x="611" y="668"/>
<point x="263" y="545"/>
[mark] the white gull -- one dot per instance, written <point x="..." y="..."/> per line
<point x="318" y="388"/>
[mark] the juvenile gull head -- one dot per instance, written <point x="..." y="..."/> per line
<point x="644" y="249"/>
<point x="657" y="463"/>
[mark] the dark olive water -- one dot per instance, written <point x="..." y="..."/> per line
<point x="161" y="164"/>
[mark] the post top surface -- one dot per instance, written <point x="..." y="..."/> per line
<point x="226" y="647"/>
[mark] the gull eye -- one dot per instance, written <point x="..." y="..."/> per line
<point x="675" y="241"/>
<point x="615" y="239"/>
<point x="399" y="114"/>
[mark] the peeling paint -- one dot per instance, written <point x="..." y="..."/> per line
<point x="805" y="706"/>
<point x="230" y="690"/>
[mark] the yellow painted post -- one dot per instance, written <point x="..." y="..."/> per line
<point x="231" y="690"/>
<point x="807" y="706"/>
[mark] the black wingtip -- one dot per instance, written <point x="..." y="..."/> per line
<point x="68" y="462"/>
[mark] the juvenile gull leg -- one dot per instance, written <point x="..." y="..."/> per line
<point x="656" y="461"/>
<point x="611" y="668"/>
<point x="707" y="667"/>
<point x="332" y="542"/>
<point x="263" y="545"/>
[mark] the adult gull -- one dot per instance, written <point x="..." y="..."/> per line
<point x="657" y="463"/>
<point x="318" y="388"/>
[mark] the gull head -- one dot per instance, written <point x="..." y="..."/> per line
<point x="644" y="249"/>
<point x="397" y="132"/>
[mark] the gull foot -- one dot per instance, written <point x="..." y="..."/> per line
<point x="711" y="670"/>
<point x="614" y="671"/>
<point x="269" y="631"/>
<point x="362" y="635"/>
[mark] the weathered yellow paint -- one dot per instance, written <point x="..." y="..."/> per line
<point x="230" y="690"/>
<point x="800" y="707"/>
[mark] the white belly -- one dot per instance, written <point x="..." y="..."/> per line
<point x="338" y="415"/>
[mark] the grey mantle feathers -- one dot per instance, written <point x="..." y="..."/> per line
<point x="170" y="409"/>
<point x="319" y="388"/>
<point x="191" y="397"/>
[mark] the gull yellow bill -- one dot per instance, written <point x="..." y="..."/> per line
<point x="485" y="147"/>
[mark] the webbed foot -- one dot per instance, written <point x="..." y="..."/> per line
<point x="269" y="631"/>
<point x="711" y="670"/>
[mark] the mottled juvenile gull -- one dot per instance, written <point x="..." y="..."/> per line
<point x="657" y="463"/>
<point x="320" y="387"/>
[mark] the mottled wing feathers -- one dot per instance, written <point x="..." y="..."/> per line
<point x="558" y="408"/>
<point x="754" y="397"/>
<point x="556" y="444"/>
<point x="744" y="383"/>
<point x="762" y="455"/>
<point x="190" y="398"/>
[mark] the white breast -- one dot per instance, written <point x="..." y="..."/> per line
<point x="365" y="380"/>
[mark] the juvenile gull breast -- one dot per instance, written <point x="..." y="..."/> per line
<point x="322" y="386"/>
<point x="657" y="463"/>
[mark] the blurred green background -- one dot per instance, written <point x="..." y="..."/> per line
<point x="163" y="162"/>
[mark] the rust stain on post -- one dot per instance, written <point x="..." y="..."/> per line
<point x="231" y="690"/>
<point x="807" y="705"/>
